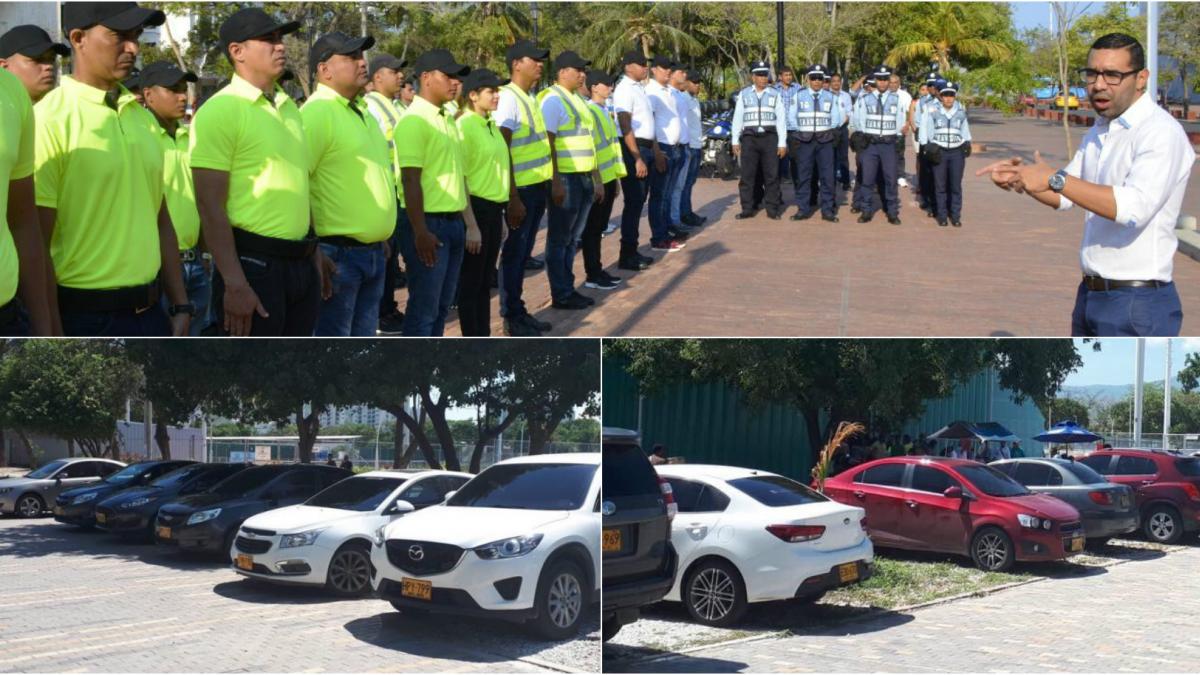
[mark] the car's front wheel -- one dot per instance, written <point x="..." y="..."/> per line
<point x="350" y="570"/>
<point x="30" y="506"/>
<point x="561" y="600"/>
<point x="714" y="593"/>
<point x="1162" y="525"/>
<point x="992" y="550"/>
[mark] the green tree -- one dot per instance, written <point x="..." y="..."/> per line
<point x="946" y="32"/>
<point x="1185" y="411"/>
<point x="1179" y="40"/>
<point x="616" y="27"/>
<point x="1062" y="409"/>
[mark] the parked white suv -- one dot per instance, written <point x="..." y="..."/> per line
<point x="326" y="541"/>
<point x="520" y="542"/>
<point x="752" y="536"/>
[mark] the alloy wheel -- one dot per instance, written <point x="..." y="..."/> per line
<point x="1162" y="525"/>
<point x="713" y="594"/>
<point x="349" y="572"/>
<point x="992" y="550"/>
<point x="565" y="601"/>
<point x="29" y="507"/>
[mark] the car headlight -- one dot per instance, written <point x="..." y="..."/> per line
<point x="513" y="547"/>
<point x="85" y="498"/>
<point x="300" y="539"/>
<point x="1033" y="522"/>
<point x="133" y="504"/>
<point x="379" y="537"/>
<point x="202" y="516"/>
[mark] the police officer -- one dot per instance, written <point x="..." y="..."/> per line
<point x="841" y="150"/>
<point x="927" y="101"/>
<point x="946" y="128"/>
<point x="818" y="114"/>
<point x="29" y="53"/>
<point x="881" y="118"/>
<point x="788" y="87"/>
<point x="387" y="80"/>
<point x="760" y="140"/>
<point x="860" y="199"/>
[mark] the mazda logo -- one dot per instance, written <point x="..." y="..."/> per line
<point x="608" y="508"/>
<point x="845" y="521"/>
<point x="416" y="552"/>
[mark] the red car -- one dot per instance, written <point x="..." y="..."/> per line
<point x="1167" y="488"/>
<point x="958" y="506"/>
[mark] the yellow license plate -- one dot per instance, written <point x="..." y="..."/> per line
<point x="1076" y="544"/>
<point x="164" y="533"/>
<point x="244" y="562"/>
<point x="100" y="518"/>
<point x="848" y="572"/>
<point x="415" y="588"/>
<point x="58" y="510"/>
<point x="612" y="540"/>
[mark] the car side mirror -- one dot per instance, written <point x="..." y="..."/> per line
<point x="953" y="492"/>
<point x="400" y="507"/>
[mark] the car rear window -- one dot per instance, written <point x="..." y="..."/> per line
<point x="992" y="482"/>
<point x="777" y="491"/>
<point x="547" y="487"/>
<point x="1086" y="474"/>
<point x="627" y="472"/>
<point x="1188" y="466"/>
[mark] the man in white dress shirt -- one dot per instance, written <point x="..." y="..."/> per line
<point x="668" y="130"/>
<point x="1129" y="174"/>
<point x="635" y="120"/>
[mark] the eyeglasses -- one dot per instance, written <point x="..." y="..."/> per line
<point x="1111" y="77"/>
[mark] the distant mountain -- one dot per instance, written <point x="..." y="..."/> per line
<point x="1105" y="393"/>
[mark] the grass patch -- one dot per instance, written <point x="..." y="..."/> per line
<point x="913" y="579"/>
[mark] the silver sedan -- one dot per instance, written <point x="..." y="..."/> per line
<point x="32" y="494"/>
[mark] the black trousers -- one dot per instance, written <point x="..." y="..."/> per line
<point x="593" y="232"/>
<point x="760" y="156"/>
<point x="288" y="288"/>
<point x="901" y="142"/>
<point x="474" y="281"/>
<point x="841" y="156"/>
<point x="926" y="184"/>
<point x="387" y="303"/>
<point x="947" y="177"/>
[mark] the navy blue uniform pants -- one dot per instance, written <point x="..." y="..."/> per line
<point x="879" y="164"/>
<point x="947" y="180"/>
<point x="813" y="157"/>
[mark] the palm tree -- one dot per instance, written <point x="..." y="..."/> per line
<point x="511" y="16"/>
<point x="945" y="35"/>
<point x="616" y="26"/>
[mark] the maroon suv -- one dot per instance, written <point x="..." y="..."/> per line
<point x="958" y="506"/>
<point x="1167" y="487"/>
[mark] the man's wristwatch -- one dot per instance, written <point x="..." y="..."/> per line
<point x="1058" y="181"/>
<point x="188" y="308"/>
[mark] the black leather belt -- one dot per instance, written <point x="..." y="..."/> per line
<point x="880" y="138"/>
<point x="1094" y="283"/>
<point x="8" y="313"/>
<point x="347" y="242"/>
<point x="643" y="143"/>
<point x="130" y="298"/>
<point x="248" y="242"/>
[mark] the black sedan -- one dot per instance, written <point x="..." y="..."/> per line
<point x="1108" y="509"/>
<point x="208" y="522"/>
<point x="77" y="506"/>
<point x="133" y="511"/>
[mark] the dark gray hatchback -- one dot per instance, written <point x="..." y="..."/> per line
<point x="639" y="560"/>
<point x="1107" y="509"/>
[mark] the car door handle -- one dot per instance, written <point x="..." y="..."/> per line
<point x="860" y="494"/>
<point x="911" y="504"/>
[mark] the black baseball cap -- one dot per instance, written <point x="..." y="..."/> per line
<point x="522" y="48"/>
<point x="597" y="76"/>
<point x="385" y="61"/>
<point x="694" y="75"/>
<point x="661" y="61"/>
<point x="250" y="23"/>
<point x="114" y="15"/>
<point x="334" y="43"/>
<point x="635" y="57"/>
<point x="442" y="60"/>
<point x="31" y="41"/>
<point x="164" y="74"/>
<point x="569" y="59"/>
<point x="133" y="80"/>
<point x="480" y="78"/>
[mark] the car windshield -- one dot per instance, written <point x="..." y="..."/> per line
<point x="46" y="470"/>
<point x="180" y="476"/>
<point x="777" y="491"/>
<point x="361" y="493"/>
<point x="548" y="487"/>
<point x="1086" y="474"/>
<point x="243" y="482"/>
<point x="125" y="475"/>
<point x="1188" y="466"/>
<point x="991" y="482"/>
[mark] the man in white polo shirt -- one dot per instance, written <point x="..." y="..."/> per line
<point x="1129" y="174"/>
<point x="635" y="118"/>
<point x="668" y="129"/>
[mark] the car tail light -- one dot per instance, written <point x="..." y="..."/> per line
<point x="1101" y="497"/>
<point x="797" y="533"/>
<point x="668" y="497"/>
<point x="1192" y="491"/>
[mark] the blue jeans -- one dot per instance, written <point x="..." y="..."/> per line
<point x="634" y="191"/>
<point x="431" y="289"/>
<point x="689" y="181"/>
<point x="353" y="309"/>
<point x="516" y="248"/>
<point x="562" y="237"/>
<point x="660" y="186"/>
<point x="1143" y="312"/>
<point x="677" y="186"/>
<point x="198" y="284"/>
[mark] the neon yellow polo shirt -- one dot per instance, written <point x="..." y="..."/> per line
<point x="352" y="186"/>
<point x="485" y="157"/>
<point x="177" y="181"/>
<point x="102" y="169"/>
<point x="260" y="144"/>
<point x="427" y="139"/>
<point x="16" y="162"/>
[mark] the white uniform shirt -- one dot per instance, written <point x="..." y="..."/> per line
<point x="905" y="98"/>
<point x="508" y="111"/>
<point x="1146" y="157"/>
<point x="668" y="125"/>
<point x="681" y="104"/>
<point x="695" y="125"/>
<point x="630" y="97"/>
<point x="846" y="102"/>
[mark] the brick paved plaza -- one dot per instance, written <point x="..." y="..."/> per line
<point x="76" y="601"/>
<point x="1011" y="270"/>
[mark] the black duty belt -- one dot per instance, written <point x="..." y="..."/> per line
<point x="1095" y="283"/>
<point x="248" y="242"/>
<point x="347" y="242"/>
<point x="445" y="215"/>
<point x="644" y="143"/>
<point x="8" y="313"/>
<point x="128" y="299"/>
<point x="881" y="138"/>
<point x="190" y="255"/>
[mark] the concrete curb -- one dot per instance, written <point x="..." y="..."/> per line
<point x="1189" y="243"/>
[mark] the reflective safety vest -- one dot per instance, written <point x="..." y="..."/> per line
<point x="759" y="111"/>
<point x="881" y="115"/>
<point x="573" y="145"/>
<point x="380" y="102"/>
<point x="926" y="104"/>
<point x="814" y="115"/>
<point x="530" y="147"/>
<point x="947" y="131"/>
<point x="608" y="148"/>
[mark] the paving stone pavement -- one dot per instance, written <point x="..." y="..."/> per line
<point x="1134" y="617"/>
<point x="73" y="601"/>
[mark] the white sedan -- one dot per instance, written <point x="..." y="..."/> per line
<point x="752" y="536"/>
<point x="520" y="542"/>
<point x="326" y="541"/>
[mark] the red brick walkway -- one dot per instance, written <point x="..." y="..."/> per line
<point x="1012" y="269"/>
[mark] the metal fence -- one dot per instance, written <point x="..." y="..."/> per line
<point x="1182" y="442"/>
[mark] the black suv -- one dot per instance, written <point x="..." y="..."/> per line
<point x="639" y="560"/>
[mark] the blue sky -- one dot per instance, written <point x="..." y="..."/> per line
<point x="1113" y="364"/>
<point x="1034" y="14"/>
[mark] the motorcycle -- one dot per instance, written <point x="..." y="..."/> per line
<point x="716" y="150"/>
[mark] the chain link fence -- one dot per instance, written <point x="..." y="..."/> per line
<point x="1186" y="443"/>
